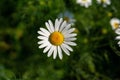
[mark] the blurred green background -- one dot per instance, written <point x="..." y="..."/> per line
<point x="96" y="56"/>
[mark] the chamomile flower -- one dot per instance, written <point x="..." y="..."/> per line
<point x="57" y="38"/>
<point x="115" y="23"/>
<point x="68" y="16"/>
<point x="104" y="2"/>
<point x="85" y="3"/>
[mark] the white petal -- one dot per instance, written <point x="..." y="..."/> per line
<point x="78" y="1"/>
<point x="60" y="52"/>
<point x="48" y="27"/>
<point x="42" y="37"/>
<point x="117" y="31"/>
<point x="42" y="33"/>
<point x="119" y="42"/>
<point x="69" y="31"/>
<point x="57" y="24"/>
<point x="43" y="41"/>
<point x="108" y="2"/>
<point x="51" y="51"/>
<point x="43" y="45"/>
<point x="70" y="35"/>
<point x="55" y="53"/>
<point x="47" y="48"/>
<point x="51" y="25"/>
<point x="65" y="50"/>
<point x="86" y="5"/>
<point x="66" y="28"/>
<point x="99" y="1"/>
<point x="118" y="38"/>
<point x="70" y="43"/>
<point x="67" y="47"/>
<point x="63" y="26"/>
<point x="45" y="31"/>
<point x="70" y="39"/>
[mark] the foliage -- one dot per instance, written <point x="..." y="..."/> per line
<point x="96" y="56"/>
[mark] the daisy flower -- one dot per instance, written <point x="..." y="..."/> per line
<point x="104" y="2"/>
<point x="115" y="22"/>
<point x="57" y="38"/>
<point x="85" y="3"/>
<point x="68" y="16"/>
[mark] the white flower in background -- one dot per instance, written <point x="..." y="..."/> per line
<point x="115" y="23"/>
<point x="68" y="16"/>
<point x="117" y="31"/>
<point x="104" y="2"/>
<point x="57" y="38"/>
<point x="85" y="3"/>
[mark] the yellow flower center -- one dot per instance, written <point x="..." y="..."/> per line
<point x="116" y="25"/>
<point x="103" y="1"/>
<point x="56" y="38"/>
<point x="84" y="0"/>
<point x="66" y="19"/>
